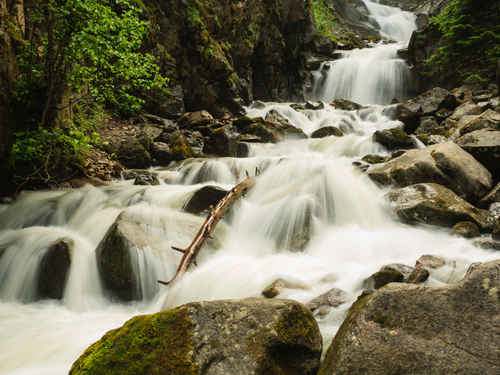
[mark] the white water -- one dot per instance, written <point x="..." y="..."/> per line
<point x="352" y="236"/>
<point x="371" y="75"/>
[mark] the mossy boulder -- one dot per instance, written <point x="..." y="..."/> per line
<point x="244" y="121"/>
<point x="436" y="205"/>
<point x="268" y="133"/>
<point x="203" y="198"/>
<point x="181" y="149"/>
<point x="394" y="138"/>
<point x="465" y="229"/>
<point x="54" y="269"/>
<point x="414" y="329"/>
<point x="382" y="278"/>
<point x="445" y="163"/>
<point x="327" y="131"/>
<point x="375" y="159"/>
<point x="247" y="336"/>
<point x="345" y="105"/>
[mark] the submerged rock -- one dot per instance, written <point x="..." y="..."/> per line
<point x="246" y="336"/>
<point x="446" y="164"/>
<point x="333" y="298"/>
<point x="436" y="205"/>
<point x="203" y="198"/>
<point x="54" y="269"/>
<point x="278" y="286"/>
<point x="327" y="131"/>
<point x="413" y="329"/>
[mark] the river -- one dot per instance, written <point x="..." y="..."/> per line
<point x="351" y="229"/>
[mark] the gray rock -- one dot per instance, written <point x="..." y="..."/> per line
<point x="413" y="329"/>
<point x="54" y="269"/>
<point x="418" y="276"/>
<point x="426" y="104"/>
<point x="222" y="142"/>
<point x="203" y="198"/>
<point x="492" y="197"/>
<point x="430" y="261"/>
<point x="268" y="132"/>
<point x="445" y="163"/>
<point x="487" y="244"/>
<point x="465" y="229"/>
<point x="240" y="337"/>
<point x="484" y="146"/>
<point x="333" y="298"/>
<point x="436" y="205"/>
<point x="162" y="153"/>
<point x="466" y="109"/>
<point x="427" y="124"/>
<point x="487" y="120"/>
<point x="394" y="138"/>
<point x="327" y="131"/>
<point x="193" y="119"/>
<point x="130" y="153"/>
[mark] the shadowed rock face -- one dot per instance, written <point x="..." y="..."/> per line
<point x="410" y="329"/>
<point x="247" y="336"/>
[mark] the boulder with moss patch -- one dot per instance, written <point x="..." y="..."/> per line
<point x="414" y="329"/>
<point x="247" y="336"/>
<point x="436" y="205"/>
<point x="394" y="138"/>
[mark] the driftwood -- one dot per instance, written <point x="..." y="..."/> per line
<point x="212" y="220"/>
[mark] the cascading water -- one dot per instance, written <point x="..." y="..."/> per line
<point x="371" y="75"/>
<point x="308" y="184"/>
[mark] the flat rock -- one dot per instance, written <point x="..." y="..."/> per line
<point x="484" y="146"/>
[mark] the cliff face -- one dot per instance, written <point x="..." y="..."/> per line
<point x="222" y="55"/>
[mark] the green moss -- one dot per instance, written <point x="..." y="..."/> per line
<point x="398" y="133"/>
<point x="146" y="344"/>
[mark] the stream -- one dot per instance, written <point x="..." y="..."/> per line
<point x="351" y="229"/>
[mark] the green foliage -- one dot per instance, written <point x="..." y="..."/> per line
<point x="193" y="15"/>
<point x="91" y="47"/>
<point x="325" y="20"/>
<point x="49" y="148"/>
<point x="473" y="37"/>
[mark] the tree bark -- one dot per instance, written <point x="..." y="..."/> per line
<point x="204" y="233"/>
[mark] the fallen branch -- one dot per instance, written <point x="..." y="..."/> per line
<point x="204" y="233"/>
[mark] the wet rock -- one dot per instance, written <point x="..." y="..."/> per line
<point x="244" y="121"/>
<point x="494" y="209"/>
<point x="296" y="237"/>
<point x="496" y="232"/>
<point x="466" y="109"/>
<point x="382" y="278"/>
<point x="420" y="330"/>
<point x="327" y="131"/>
<point x="492" y="197"/>
<point x="375" y="159"/>
<point x="333" y="298"/>
<point x="267" y="133"/>
<point x="487" y="244"/>
<point x="394" y="138"/>
<point x="162" y="153"/>
<point x="427" y="124"/>
<point x="181" y="149"/>
<point x="430" y="261"/>
<point x="278" y="286"/>
<point x="317" y="105"/>
<point x="114" y="260"/>
<point x="445" y="163"/>
<point x="484" y="146"/>
<point x="54" y="269"/>
<point x="193" y="119"/>
<point x="436" y="205"/>
<point x="246" y="336"/>
<point x="465" y="229"/>
<point x="129" y="152"/>
<point x="203" y="198"/>
<point x="290" y="131"/>
<point x="488" y="120"/>
<point x="147" y="179"/>
<point x="223" y="142"/>
<point x="362" y="167"/>
<point x="345" y="105"/>
<point x="132" y="174"/>
<point x="426" y="104"/>
<point x="418" y="276"/>
<point x="404" y="269"/>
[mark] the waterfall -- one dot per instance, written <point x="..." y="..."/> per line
<point x="312" y="218"/>
<point x="371" y="75"/>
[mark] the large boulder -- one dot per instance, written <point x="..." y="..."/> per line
<point x="54" y="269"/>
<point x="426" y="104"/>
<point x="203" y="198"/>
<point x="484" y="145"/>
<point x="468" y="108"/>
<point x="394" y="138"/>
<point x="181" y="149"/>
<point x="327" y="131"/>
<point x="436" y="205"/>
<point x="246" y="336"/>
<point x="487" y="120"/>
<point x="223" y="142"/>
<point x="268" y="132"/>
<point x="414" y="329"/>
<point x="446" y="164"/>
<point x="130" y="152"/>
